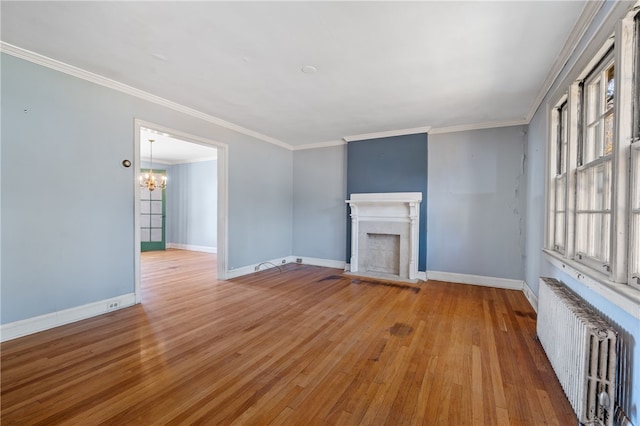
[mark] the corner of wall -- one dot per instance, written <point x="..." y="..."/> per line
<point x="530" y="295"/>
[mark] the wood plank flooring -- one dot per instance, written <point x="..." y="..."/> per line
<point x="301" y="346"/>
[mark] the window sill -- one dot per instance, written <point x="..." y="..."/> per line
<point x="623" y="296"/>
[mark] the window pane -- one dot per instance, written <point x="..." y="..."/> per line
<point x="594" y="235"/>
<point x="563" y="138"/>
<point x="635" y="183"/>
<point x="599" y="120"/>
<point x="594" y="187"/>
<point x="560" y="191"/>
<point x="593" y="102"/>
<point x="156" y="235"/>
<point x="592" y="143"/>
<point x="156" y="194"/>
<point x="593" y="218"/>
<point x="145" y="221"/>
<point x="634" y="240"/>
<point x="559" y="237"/>
<point x="145" y="194"/>
<point x="609" y="73"/>
<point x="608" y="134"/>
<point x="156" y="207"/>
<point x="634" y="259"/>
<point x="156" y="220"/>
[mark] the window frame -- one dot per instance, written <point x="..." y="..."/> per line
<point x="626" y="129"/>
<point x="633" y="277"/>
<point x="593" y="104"/>
<point x="634" y="218"/>
<point x="559" y="118"/>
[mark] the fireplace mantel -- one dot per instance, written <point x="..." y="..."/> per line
<point x="390" y="213"/>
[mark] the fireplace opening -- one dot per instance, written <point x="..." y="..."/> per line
<point x="383" y="253"/>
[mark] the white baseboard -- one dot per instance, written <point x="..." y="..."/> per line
<point x="192" y="247"/>
<point x="476" y="280"/>
<point x="326" y="263"/>
<point x="28" y="326"/>
<point x="530" y="295"/>
<point x="267" y="264"/>
<point x="250" y="269"/>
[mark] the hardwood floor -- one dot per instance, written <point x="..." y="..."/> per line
<point x="303" y="346"/>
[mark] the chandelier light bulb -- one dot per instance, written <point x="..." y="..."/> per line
<point x="148" y="179"/>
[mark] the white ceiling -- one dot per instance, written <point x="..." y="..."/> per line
<point x="170" y="150"/>
<point x="382" y="66"/>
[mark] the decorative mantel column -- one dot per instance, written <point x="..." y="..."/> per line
<point x="391" y="213"/>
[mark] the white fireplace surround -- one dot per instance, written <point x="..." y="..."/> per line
<point x="389" y="213"/>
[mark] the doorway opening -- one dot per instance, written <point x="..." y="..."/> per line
<point x="191" y="212"/>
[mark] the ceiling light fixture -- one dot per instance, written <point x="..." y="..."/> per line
<point x="309" y="69"/>
<point x="159" y="56"/>
<point x="148" y="179"/>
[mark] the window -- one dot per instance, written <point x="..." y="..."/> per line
<point x="634" y="220"/>
<point x="594" y="174"/>
<point x="560" y="178"/>
<point x="593" y="192"/>
<point x="634" y="241"/>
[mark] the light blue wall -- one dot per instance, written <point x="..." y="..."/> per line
<point x="319" y="209"/>
<point x="192" y="204"/>
<point x="536" y="264"/>
<point x="71" y="243"/>
<point x="476" y="214"/>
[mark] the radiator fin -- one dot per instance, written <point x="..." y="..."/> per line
<point x="581" y="347"/>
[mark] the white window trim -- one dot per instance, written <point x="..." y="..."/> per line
<point x="624" y="58"/>
<point x="634" y="276"/>
<point x="551" y="178"/>
<point x="596" y="74"/>
<point x="623" y="296"/>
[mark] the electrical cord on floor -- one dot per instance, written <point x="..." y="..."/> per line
<point x="268" y="263"/>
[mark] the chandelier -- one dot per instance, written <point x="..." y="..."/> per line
<point x="148" y="179"/>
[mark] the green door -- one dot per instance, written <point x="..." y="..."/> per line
<point x="152" y="217"/>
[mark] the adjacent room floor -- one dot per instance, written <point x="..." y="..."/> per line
<point x="297" y="345"/>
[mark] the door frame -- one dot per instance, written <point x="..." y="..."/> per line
<point x="223" y="196"/>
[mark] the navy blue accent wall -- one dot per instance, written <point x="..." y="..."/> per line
<point x="396" y="164"/>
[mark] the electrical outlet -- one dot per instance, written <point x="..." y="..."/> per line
<point x="299" y="260"/>
<point x="113" y="305"/>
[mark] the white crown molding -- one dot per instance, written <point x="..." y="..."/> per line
<point x="478" y="126"/>
<point x="426" y="129"/>
<point x="54" y="64"/>
<point x="318" y="145"/>
<point x="388" y="134"/>
<point x="585" y="19"/>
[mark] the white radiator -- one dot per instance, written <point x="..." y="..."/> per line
<point x="581" y="347"/>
